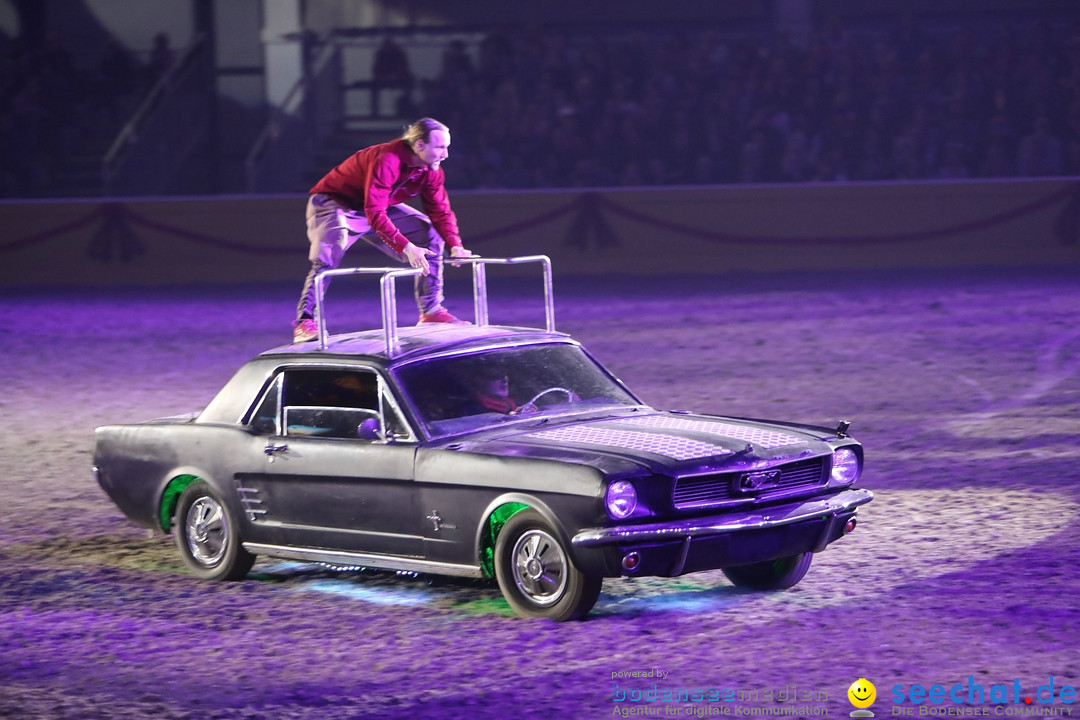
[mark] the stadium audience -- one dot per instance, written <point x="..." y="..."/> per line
<point x="543" y="109"/>
<point x="535" y="108"/>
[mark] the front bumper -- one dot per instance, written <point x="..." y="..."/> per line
<point x="717" y="541"/>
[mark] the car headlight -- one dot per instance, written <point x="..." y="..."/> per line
<point x="620" y="499"/>
<point x="845" y="465"/>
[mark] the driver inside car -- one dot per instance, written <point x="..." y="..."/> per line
<point x="489" y="391"/>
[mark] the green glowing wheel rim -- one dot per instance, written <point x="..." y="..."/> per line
<point x="778" y="574"/>
<point x="207" y="535"/>
<point x="536" y="574"/>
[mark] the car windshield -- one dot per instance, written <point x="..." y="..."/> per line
<point x="466" y="392"/>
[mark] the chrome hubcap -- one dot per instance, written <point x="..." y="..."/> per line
<point x="539" y="567"/>
<point x="207" y="531"/>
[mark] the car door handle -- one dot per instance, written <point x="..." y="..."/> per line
<point x="271" y="449"/>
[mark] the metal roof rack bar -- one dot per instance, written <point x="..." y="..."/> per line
<point x="480" y="301"/>
<point x="388" y="292"/>
<point x="323" y="278"/>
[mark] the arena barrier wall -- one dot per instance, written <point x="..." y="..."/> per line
<point x="646" y="231"/>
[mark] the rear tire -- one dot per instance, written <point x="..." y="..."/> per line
<point x="208" y="535"/>
<point x="535" y="572"/>
<point x="778" y="574"/>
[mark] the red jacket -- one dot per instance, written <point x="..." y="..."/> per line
<point x="373" y="179"/>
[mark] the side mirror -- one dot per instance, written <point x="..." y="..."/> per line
<point x="369" y="429"/>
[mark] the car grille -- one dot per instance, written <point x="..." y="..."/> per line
<point x="705" y="490"/>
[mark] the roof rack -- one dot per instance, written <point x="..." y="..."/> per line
<point x="388" y="287"/>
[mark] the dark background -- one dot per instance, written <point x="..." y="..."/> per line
<point x="537" y="95"/>
<point x="961" y="381"/>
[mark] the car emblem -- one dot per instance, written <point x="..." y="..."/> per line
<point x="752" y="482"/>
<point x="435" y="518"/>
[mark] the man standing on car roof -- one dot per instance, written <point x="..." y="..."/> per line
<point x="364" y="197"/>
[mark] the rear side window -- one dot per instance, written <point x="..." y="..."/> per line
<point x="327" y="402"/>
<point x="331" y="388"/>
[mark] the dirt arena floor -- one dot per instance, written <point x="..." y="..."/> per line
<point x="964" y="387"/>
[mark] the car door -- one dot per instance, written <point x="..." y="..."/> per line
<point x="331" y="480"/>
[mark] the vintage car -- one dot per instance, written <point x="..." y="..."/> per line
<point x="372" y="449"/>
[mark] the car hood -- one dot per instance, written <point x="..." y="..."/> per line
<point x="663" y="442"/>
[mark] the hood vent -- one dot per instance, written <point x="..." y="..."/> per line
<point x="758" y="437"/>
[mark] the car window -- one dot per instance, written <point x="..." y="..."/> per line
<point x="329" y="402"/>
<point x="265" y="417"/>
<point x="462" y="392"/>
<point x="395" y="426"/>
<point x="331" y="388"/>
<point x="334" y="422"/>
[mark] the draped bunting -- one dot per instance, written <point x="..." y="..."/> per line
<point x="114" y="223"/>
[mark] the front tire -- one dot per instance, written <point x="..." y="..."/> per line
<point x="208" y="537"/>
<point x="535" y="572"/>
<point x="778" y="574"/>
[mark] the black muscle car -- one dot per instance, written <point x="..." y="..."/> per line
<point x="373" y="448"/>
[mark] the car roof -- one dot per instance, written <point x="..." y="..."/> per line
<point x="369" y="348"/>
<point x="413" y="343"/>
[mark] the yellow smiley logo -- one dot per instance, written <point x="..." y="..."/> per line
<point x="862" y="693"/>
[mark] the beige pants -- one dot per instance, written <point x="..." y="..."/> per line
<point x="332" y="229"/>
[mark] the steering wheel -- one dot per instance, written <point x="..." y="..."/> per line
<point x="531" y="407"/>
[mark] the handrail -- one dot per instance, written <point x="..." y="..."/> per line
<point x="129" y="134"/>
<point x="388" y="292"/>
<point x="298" y="117"/>
<point x="272" y="129"/>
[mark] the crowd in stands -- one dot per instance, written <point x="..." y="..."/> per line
<point x="537" y="109"/>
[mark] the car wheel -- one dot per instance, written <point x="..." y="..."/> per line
<point x="207" y="535"/>
<point x="778" y="574"/>
<point x="535" y="572"/>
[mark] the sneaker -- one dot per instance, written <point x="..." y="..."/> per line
<point x="441" y="315"/>
<point x="305" y="331"/>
